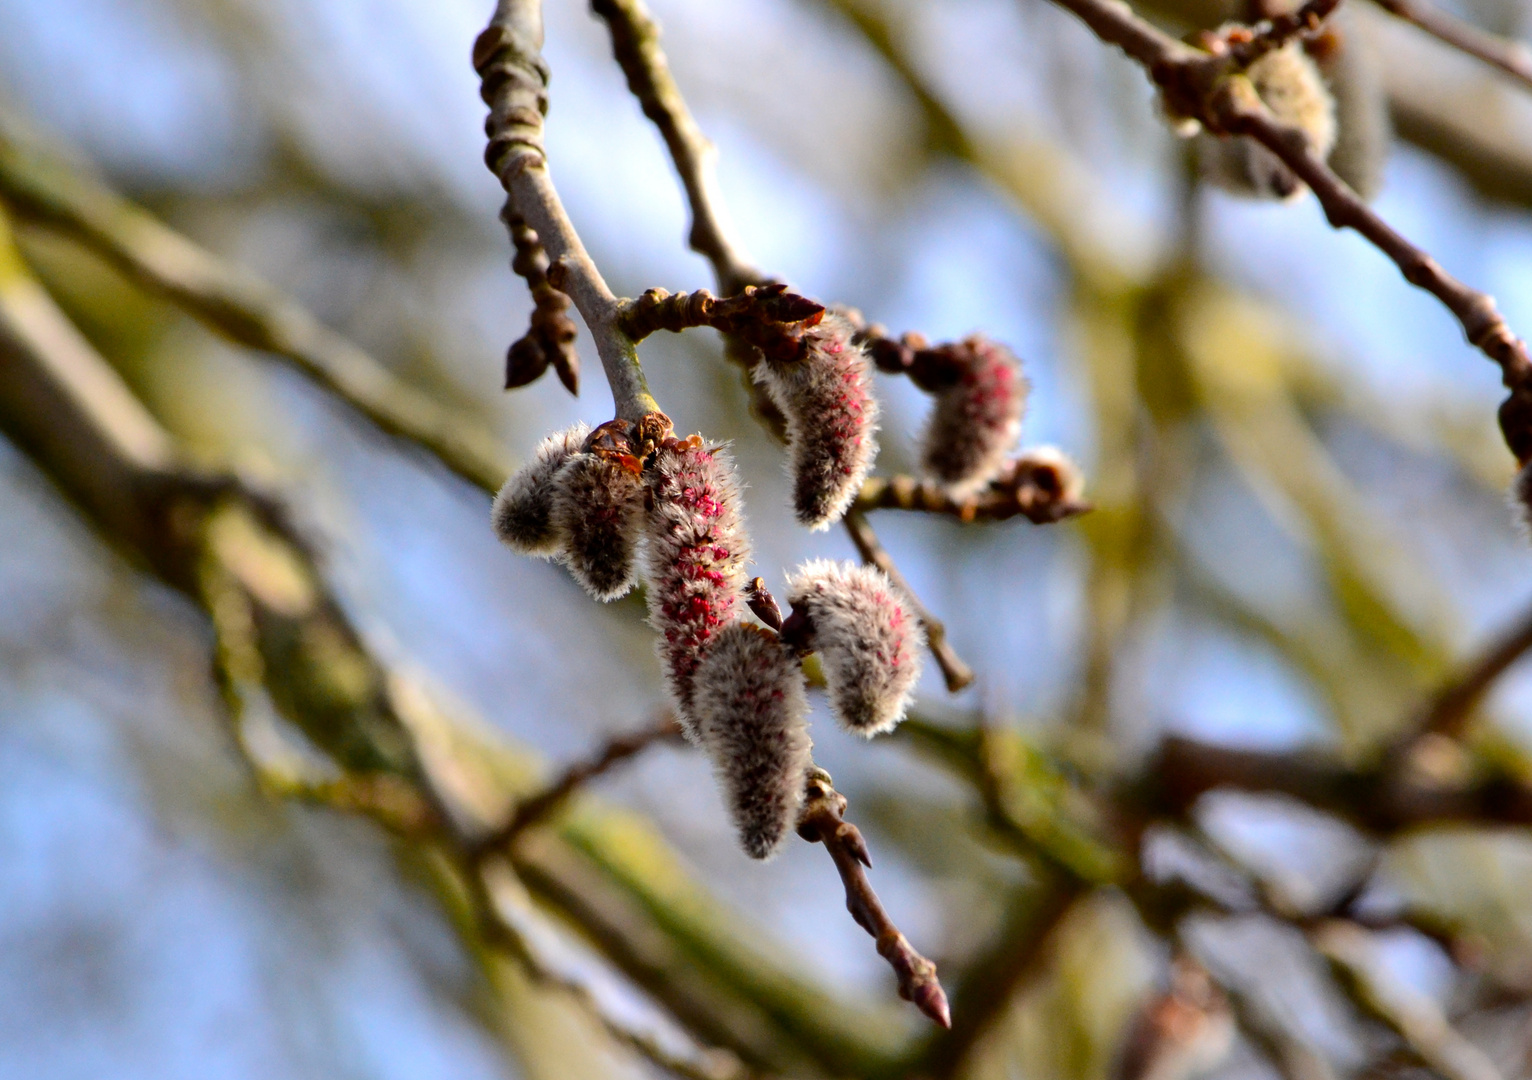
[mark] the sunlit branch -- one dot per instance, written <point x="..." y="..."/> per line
<point x="636" y="46"/>
<point x="508" y="58"/>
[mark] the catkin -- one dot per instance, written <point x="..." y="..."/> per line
<point x="749" y="706"/>
<point x="1291" y="87"/>
<point x="869" y="641"/>
<point x="695" y="555"/>
<point x="832" y="417"/>
<point x="598" y="509"/>
<point x="523" y="511"/>
<point x="976" y="420"/>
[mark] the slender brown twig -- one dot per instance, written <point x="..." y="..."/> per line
<point x="1451" y="706"/>
<point x="636" y="47"/>
<point x="614" y="751"/>
<point x="956" y="673"/>
<point x="1511" y="57"/>
<point x="822" y="820"/>
<point x="508" y="58"/>
<point x="1034" y="487"/>
<point x="1197" y="84"/>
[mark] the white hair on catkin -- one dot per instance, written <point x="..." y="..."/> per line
<point x="750" y="709"/>
<point x="975" y="422"/>
<point x="523" y="511"/>
<point x="598" y="509"/>
<point x="868" y="639"/>
<point x="1287" y="81"/>
<point x="832" y="419"/>
<point x="695" y="556"/>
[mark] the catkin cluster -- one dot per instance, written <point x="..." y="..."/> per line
<point x="607" y="501"/>
<point x="825" y="394"/>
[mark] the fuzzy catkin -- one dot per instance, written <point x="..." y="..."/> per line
<point x="694" y="562"/>
<point x="832" y="419"/>
<point x="1287" y="81"/>
<point x="598" y="510"/>
<point x="1363" y="129"/>
<point x="976" y="421"/>
<point x="523" y="511"/>
<point x="750" y="709"/>
<point x="869" y="641"/>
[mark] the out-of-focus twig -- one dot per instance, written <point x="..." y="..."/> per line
<point x="636" y="46"/>
<point x="1511" y="57"/>
<point x="822" y="821"/>
<point x="241" y="307"/>
<point x="614" y="751"/>
<point x="1452" y="705"/>
<point x="957" y="673"/>
<point x="1201" y="85"/>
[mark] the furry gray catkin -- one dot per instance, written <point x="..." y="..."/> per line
<point x="869" y="641"/>
<point x="976" y="420"/>
<point x="523" y="511"/>
<point x="598" y="508"/>
<point x="1291" y="87"/>
<point x="832" y="418"/>
<point x="749" y="704"/>
<point x="694" y="561"/>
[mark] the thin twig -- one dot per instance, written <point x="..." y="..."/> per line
<point x="1031" y="487"/>
<point x="1452" y="705"/>
<point x="1510" y="56"/>
<point x="614" y="751"/>
<point x="636" y="47"/>
<point x="822" y="821"/>
<point x="1198" y="84"/>
<point x="954" y="670"/>
<point x="508" y="58"/>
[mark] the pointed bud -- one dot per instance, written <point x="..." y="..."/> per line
<point x="598" y="508"/>
<point x="1290" y="86"/>
<point x="522" y="514"/>
<point x="869" y="641"/>
<point x="977" y="417"/>
<point x="832" y="417"/>
<point x="750" y="706"/>
<point x="695" y="556"/>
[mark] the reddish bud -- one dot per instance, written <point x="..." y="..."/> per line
<point x="869" y="641"/>
<point x="977" y="417"/>
<point x="522" y="514"/>
<point x="832" y="416"/>
<point x="749" y="704"/>
<point x="695" y="558"/>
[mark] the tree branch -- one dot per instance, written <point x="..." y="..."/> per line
<point x="821" y="821"/>
<point x="1511" y="57"/>
<point x="636" y="47"/>
<point x="1453" y="704"/>
<point x="1198" y="84"/>
<point x="508" y="58"/>
<point x="1041" y="488"/>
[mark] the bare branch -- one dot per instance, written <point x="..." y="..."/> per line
<point x="508" y="58"/>
<point x="1511" y="57"/>
<point x="1452" y="705"/>
<point x="1197" y="84"/>
<point x="614" y="751"/>
<point x="957" y="673"/>
<point x="821" y="821"/>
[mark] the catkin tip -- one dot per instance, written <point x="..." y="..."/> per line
<point x="522" y="514"/>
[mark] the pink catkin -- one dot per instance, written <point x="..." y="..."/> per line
<point x="695" y="556"/>
<point x="832" y="419"/>
<point x="976" y="421"/>
<point x="869" y="641"/>
<point x="750" y="710"/>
